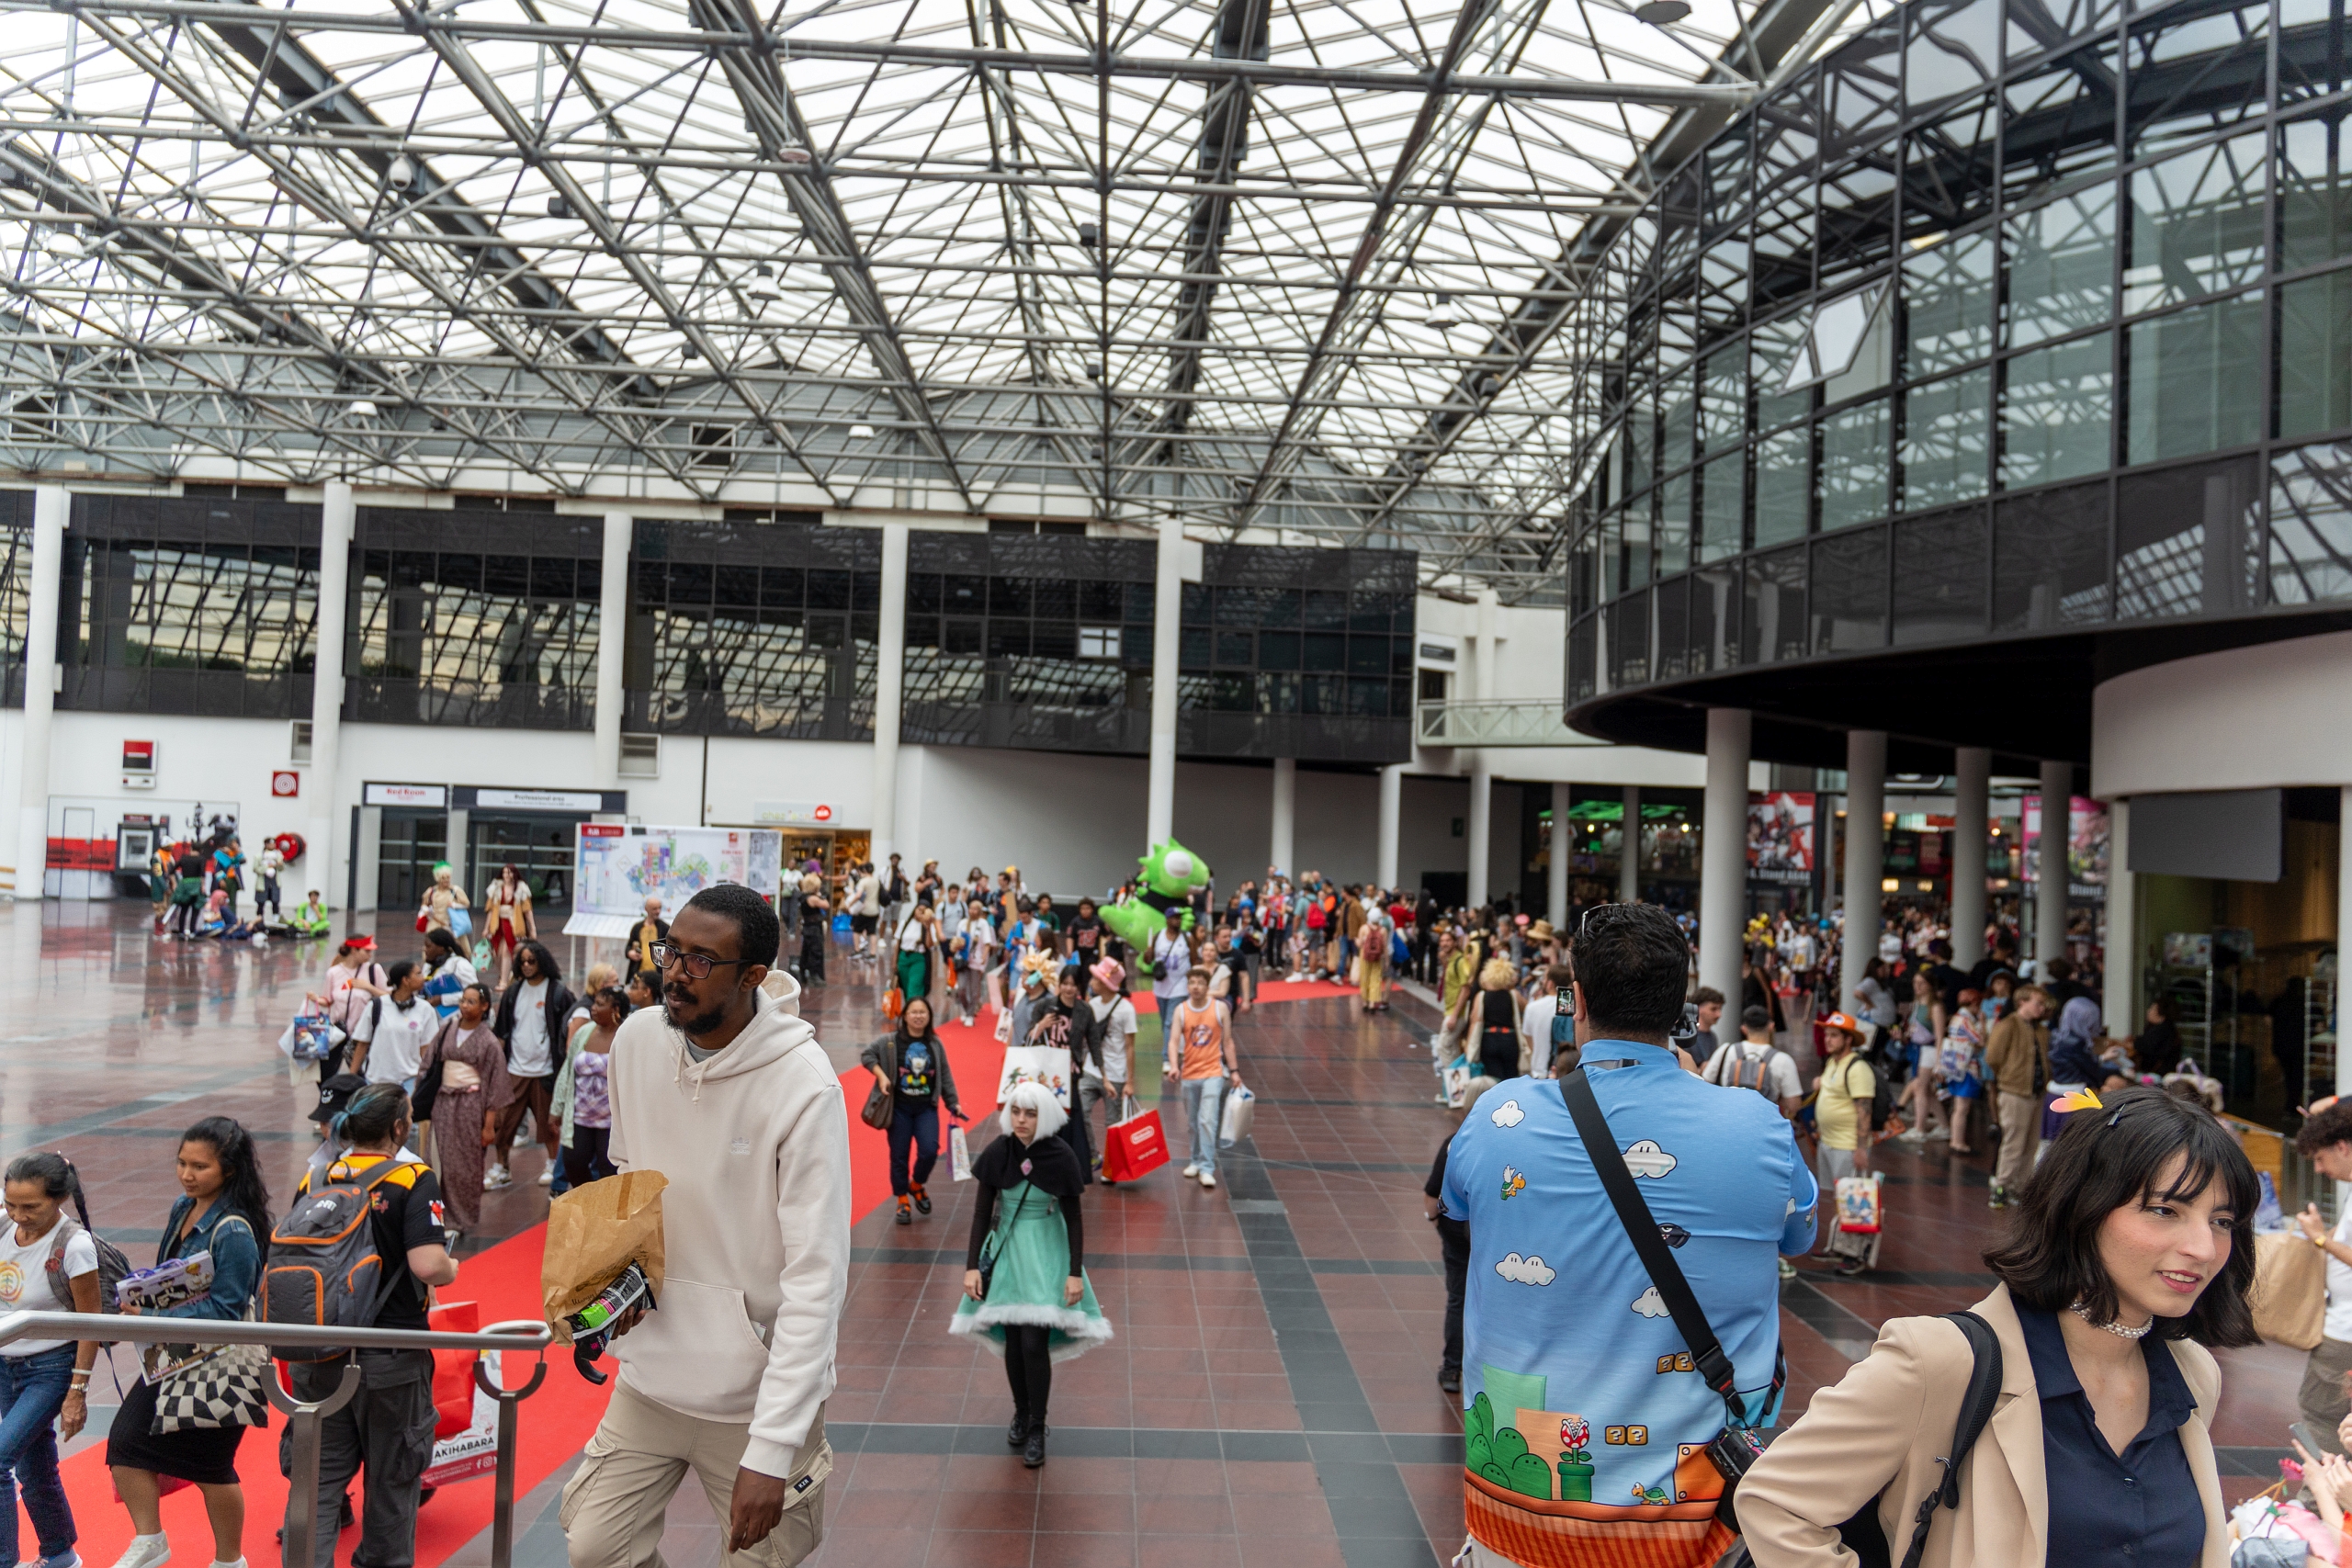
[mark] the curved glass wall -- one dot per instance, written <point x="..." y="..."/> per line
<point x="2011" y="316"/>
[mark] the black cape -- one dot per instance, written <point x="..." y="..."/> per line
<point x="1053" y="1165"/>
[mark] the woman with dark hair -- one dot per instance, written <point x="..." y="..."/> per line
<point x="2157" y="1050"/>
<point x="911" y="1068"/>
<point x="506" y="908"/>
<point x="224" y="1213"/>
<point x="2128" y="1261"/>
<point x="390" y="1036"/>
<point x="447" y="970"/>
<point x="48" y="1263"/>
<point x="533" y="1021"/>
<point x="582" y="1090"/>
<point x="465" y="1114"/>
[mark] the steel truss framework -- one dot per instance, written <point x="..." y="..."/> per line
<point x="1009" y="256"/>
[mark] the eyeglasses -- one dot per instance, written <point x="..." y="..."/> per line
<point x="697" y="965"/>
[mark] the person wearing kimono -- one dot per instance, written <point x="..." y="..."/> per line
<point x="473" y="1086"/>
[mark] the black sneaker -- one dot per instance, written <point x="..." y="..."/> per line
<point x="1450" y="1379"/>
<point x="1017" y="1433"/>
<point x="922" y="1201"/>
<point x="1033" y="1452"/>
<point x="906" y="1215"/>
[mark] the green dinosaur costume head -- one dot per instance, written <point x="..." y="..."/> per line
<point x="1171" y="873"/>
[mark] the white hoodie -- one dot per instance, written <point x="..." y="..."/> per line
<point x="755" y="1221"/>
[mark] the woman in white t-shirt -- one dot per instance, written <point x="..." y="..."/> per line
<point x="48" y="1263"/>
<point x="973" y="945"/>
<point x="391" y="1035"/>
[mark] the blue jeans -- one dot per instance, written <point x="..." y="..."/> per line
<point x="32" y="1389"/>
<point x="1204" y="1099"/>
<point x="1168" y="1041"/>
<point x="919" y="1127"/>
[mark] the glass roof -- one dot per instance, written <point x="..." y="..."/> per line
<point x="1293" y="268"/>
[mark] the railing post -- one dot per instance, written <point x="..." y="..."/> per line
<point x="304" y="1418"/>
<point x="502" y="1514"/>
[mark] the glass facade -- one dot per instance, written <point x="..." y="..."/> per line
<point x="2047" y="326"/>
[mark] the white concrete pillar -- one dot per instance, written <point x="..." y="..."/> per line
<point x="1479" y="830"/>
<point x="1629" y="855"/>
<point x="2122" y="947"/>
<point x="1167" y="644"/>
<point x="612" y="645"/>
<point x="890" y="693"/>
<point x="1564" y="844"/>
<point x="1392" y="812"/>
<point x="1865" y="855"/>
<point x="2049" y="897"/>
<point x="1723" y="853"/>
<point x="1972" y="814"/>
<point x="1282" y="850"/>
<point x="52" y="509"/>
<point x="337" y="517"/>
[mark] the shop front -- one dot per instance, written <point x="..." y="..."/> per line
<point x="401" y="831"/>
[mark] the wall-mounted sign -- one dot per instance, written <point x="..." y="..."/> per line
<point x="795" y="813"/>
<point x="285" y="784"/>
<point x="539" y="800"/>
<point x="430" y="798"/>
<point x="139" y="764"/>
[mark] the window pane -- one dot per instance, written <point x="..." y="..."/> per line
<point x="2312" y="60"/>
<point x="1635" y="525"/>
<point x="2316" y="355"/>
<point x="1948" y="179"/>
<point x="1581" y="661"/>
<point x="1947" y="426"/>
<point x="1671" y="603"/>
<point x="2061" y="262"/>
<point x="1773" y="349"/>
<point x="2060" y="120"/>
<point x="2197" y="75"/>
<point x="2314" y="193"/>
<point x="2196" y="381"/>
<point x="1849" y="592"/>
<point x="2196" y="224"/>
<point x="1940" y="578"/>
<point x="1714" y="619"/>
<point x="2186" y="541"/>
<point x="1854" y="469"/>
<point x="2311" y="524"/>
<point x="1674" y="525"/>
<point x="1629" y="640"/>
<point x="1955" y="48"/>
<point x="1674" y="435"/>
<point x="1949" y="290"/>
<point x="1772" y="624"/>
<point x="2037" y="25"/>
<point x="2050" y="559"/>
<point x="2057" y="406"/>
<point x="1722" y="496"/>
<point x="1857" y="219"/>
<point x="1723" y="397"/>
<point x="1784" y="486"/>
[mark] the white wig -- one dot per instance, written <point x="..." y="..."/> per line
<point x="1039" y="1099"/>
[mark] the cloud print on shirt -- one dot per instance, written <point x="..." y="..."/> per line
<point x="1646" y="1158"/>
<point x="1509" y="1114"/>
<point x="1527" y="1271"/>
<point x="1649" y="1303"/>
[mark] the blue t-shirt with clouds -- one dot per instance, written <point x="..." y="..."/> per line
<point x="1583" y="1402"/>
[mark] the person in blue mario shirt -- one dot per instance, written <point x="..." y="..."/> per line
<point x="1584" y="1410"/>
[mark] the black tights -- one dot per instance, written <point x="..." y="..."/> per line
<point x="1029" y="1368"/>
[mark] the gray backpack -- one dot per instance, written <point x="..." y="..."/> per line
<point x="324" y="1268"/>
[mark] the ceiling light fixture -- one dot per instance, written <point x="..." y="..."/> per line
<point x="1441" y="317"/>
<point x="861" y="433"/>
<point x="402" y="173"/>
<point x="1661" y="13"/>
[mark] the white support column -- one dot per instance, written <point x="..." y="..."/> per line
<point x="1392" y="811"/>
<point x="1865" y="855"/>
<point x="336" y="518"/>
<point x="1281" y="850"/>
<point x="2050" y="895"/>
<point x="890" y="692"/>
<point x="2122" y="1002"/>
<point x="612" y="645"/>
<point x="53" y="508"/>
<point x="1971" y="812"/>
<point x="1564" y="844"/>
<point x="1479" y="830"/>
<point x="1167" y="642"/>
<point x="1629" y="854"/>
<point x="1723" y="852"/>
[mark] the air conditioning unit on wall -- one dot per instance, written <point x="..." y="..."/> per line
<point x="641" y="757"/>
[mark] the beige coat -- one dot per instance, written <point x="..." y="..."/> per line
<point x="1901" y="1404"/>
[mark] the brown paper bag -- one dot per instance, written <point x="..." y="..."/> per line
<point x="2290" y="1296"/>
<point x="594" y="1233"/>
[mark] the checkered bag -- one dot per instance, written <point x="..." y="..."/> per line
<point x="208" y="1385"/>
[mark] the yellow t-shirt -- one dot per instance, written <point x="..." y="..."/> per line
<point x="1843" y="1082"/>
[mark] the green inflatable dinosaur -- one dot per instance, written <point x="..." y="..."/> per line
<point x="1171" y="873"/>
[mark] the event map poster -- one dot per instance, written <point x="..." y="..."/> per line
<point x="1779" y="836"/>
<point x="618" y="866"/>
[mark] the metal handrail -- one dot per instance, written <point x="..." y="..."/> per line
<point x="17" y="1325"/>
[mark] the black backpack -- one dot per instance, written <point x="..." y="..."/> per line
<point x="1882" y="1095"/>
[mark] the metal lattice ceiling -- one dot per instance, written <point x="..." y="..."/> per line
<point x="996" y="255"/>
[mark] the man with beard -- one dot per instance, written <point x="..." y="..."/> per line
<point x="728" y="1094"/>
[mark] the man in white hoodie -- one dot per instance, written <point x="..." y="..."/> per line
<point x="728" y="1094"/>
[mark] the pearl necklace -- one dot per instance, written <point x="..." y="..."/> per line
<point x="2080" y="1310"/>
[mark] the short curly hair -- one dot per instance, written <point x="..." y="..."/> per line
<point x="2325" y="1130"/>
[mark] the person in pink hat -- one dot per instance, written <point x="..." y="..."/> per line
<point x="1108" y="1081"/>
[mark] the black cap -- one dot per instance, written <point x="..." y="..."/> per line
<point x="335" y="1094"/>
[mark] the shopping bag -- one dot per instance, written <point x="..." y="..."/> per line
<point x="465" y="1432"/>
<point x="894" y="1002"/>
<point x="1136" y="1145"/>
<point x="1858" y="1203"/>
<point x="2290" y="1296"/>
<point x="1240" y="1113"/>
<point x="1047" y="1065"/>
<point x="453" y="1370"/>
<point x="959" y="1156"/>
<point x="595" y="1232"/>
<point x="1457" y="1087"/>
<point x="461" y="923"/>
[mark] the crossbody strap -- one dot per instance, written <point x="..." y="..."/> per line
<point x="1975" y="1409"/>
<point x="1657" y="1258"/>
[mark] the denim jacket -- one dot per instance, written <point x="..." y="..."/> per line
<point x="236" y="1260"/>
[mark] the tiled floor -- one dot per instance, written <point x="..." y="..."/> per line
<point x="1269" y="1397"/>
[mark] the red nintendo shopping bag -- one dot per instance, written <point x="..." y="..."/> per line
<point x="1135" y="1146"/>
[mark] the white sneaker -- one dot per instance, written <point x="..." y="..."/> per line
<point x="146" y="1551"/>
<point x="1936" y="1132"/>
<point x="547" y="1177"/>
<point x="1193" y="1169"/>
<point x="1208" y="1178"/>
<point x="495" y="1178"/>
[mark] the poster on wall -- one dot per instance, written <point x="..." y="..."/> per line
<point x="2086" y="847"/>
<point x="618" y="866"/>
<point x="100" y="847"/>
<point x="1779" y="836"/>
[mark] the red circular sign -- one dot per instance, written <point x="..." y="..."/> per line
<point x="824" y="814"/>
<point x="285" y="782"/>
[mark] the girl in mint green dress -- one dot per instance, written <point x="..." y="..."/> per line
<point x="1035" y="1305"/>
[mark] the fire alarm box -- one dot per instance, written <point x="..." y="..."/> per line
<point x="139" y="764"/>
